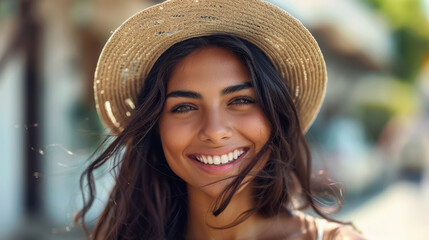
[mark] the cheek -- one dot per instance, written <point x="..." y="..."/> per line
<point x="256" y="127"/>
<point x="175" y="137"/>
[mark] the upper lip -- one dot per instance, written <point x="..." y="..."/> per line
<point x="218" y="153"/>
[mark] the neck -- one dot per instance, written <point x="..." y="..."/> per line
<point x="202" y="224"/>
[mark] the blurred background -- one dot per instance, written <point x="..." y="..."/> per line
<point x="372" y="134"/>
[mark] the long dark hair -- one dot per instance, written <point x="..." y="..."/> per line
<point x="149" y="201"/>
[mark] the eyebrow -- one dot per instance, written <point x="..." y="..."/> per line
<point x="225" y="91"/>
<point x="185" y="94"/>
<point x="237" y="88"/>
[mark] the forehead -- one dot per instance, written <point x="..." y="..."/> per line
<point x="209" y="67"/>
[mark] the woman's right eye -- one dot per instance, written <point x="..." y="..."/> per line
<point x="183" y="108"/>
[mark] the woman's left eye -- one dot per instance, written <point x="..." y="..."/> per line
<point x="242" y="101"/>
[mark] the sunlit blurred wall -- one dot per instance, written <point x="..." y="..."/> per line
<point x="11" y="139"/>
<point x="11" y="127"/>
<point x="73" y="32"/>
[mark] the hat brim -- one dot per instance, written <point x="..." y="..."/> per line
<point x="134" y="47"/>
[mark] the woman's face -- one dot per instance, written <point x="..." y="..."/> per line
<point x="211" y="125"/>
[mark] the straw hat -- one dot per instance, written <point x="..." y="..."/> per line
<point x="133" y="48"/>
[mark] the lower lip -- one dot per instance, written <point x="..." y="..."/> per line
<point x="219" y="169"/>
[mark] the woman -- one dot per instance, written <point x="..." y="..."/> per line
<point x="210" y="103"/>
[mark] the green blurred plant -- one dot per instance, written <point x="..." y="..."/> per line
<point x="8" y="8"/>
<point x="411" y="30"/>
<point x="377" y="100"/>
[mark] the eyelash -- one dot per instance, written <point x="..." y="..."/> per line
<point x="240" y="101"/>
<point x="180" y="108"/>
<point x="184" y="108"/>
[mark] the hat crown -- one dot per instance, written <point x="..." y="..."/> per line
<point x="134" y="47"/>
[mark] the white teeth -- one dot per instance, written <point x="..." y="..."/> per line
<point x="216" y="160"/>
<point x="210" y="159"/>
<point x="230" y="156"/>
<point x="222" y="159"/>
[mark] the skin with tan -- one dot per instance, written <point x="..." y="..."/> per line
<point x="212" y="126"/>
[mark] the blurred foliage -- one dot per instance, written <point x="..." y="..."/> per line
<point x="411" y="30"/>
<point x="374" y="117"/>
<point x="8" y="8"/>
<point x="404" y="14"/>
<point x="412" y="50"/>
<point x="377" y="100"/>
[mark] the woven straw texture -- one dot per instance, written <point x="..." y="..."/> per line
<point x="134" y="47"/>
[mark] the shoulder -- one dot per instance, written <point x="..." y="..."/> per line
<point x="338" y="231"/>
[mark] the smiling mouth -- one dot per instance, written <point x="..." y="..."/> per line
<point x="220" y="159"/>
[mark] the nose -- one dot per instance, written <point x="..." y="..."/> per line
<point x="215" y="128"/>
